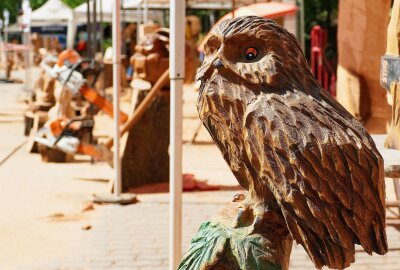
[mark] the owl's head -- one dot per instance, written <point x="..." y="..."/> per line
<point x="256" y="51"/>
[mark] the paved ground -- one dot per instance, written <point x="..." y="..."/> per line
<point x="43" y="225"/>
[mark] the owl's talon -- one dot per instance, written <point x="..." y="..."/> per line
<point x="256" y="223"/>
<point x="259" y="214"/>
<point x="238" y="218"/>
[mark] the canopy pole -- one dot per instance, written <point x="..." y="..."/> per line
<point x="116" y="41"/>
<point x="302" y="24"/>
<point x="26" y="7"/>
<point x="177" y="68"/>
<point x="101" y="30"/>
<point x="146" y="12"/>
<point x="71" y="32"/>
<point x="138" y="15"/>
<point x="94" y="28"/>
<point x="88" y="30"/>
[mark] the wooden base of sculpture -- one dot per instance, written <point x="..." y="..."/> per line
<point x="231" y="241"/>
<point x="53" y="155"/>
<point x="393" y="139"/>
<point x="145" y="159"/>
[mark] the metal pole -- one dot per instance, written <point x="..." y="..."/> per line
<point x="302" y="24"/>
<point x="27" y="41"/>
<point x="88" y="30"/>
<point x="94" y="27"/>
<point x="146" y="12"/>
<point x="101" y="29"/>
<point x="6" y="21"/>
<point x="116" y="36"/>
<point x="71" y="32"/>
<point x="138" y="23"/>
<point x="6" y="33"/>
<point x="177" y="68"/>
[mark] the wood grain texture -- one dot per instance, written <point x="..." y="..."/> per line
<point x="290" y="144"/>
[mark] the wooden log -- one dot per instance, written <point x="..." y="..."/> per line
<point x="224" y="243"/>
<point x="51" y="154"/>
<point x="142" y="107"/>
<point x="145" y="159"/>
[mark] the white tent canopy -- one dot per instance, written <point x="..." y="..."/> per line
<point x="55" y="12"/>
<point x="80" y="12"/>
<point x="52" y="12"/>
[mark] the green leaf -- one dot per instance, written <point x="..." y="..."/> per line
<point x="206" y="247"/>
<point x="215" y="244"/>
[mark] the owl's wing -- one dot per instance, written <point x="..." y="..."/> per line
<point x="324" y="171"/>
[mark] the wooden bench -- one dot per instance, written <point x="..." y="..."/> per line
<point x="391" y="159"/>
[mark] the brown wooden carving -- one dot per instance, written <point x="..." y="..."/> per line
<point x="9" y="65"/>
<point x="148" y="137"/>
<point x="390" y="63"/>
<point x="44" y="89"/>
<point x="393" y="139"/>
<point x="147" y="144"/>
<point x="230" y="241"/>
<point x="151" y="58"/>
<point x="290" y="144"/>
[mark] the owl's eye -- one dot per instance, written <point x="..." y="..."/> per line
<point x="251" y="53"/>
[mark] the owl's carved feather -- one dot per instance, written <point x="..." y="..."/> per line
<point x="294" y="147"/>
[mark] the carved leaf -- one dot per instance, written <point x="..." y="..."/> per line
<point x="218" y="247"/>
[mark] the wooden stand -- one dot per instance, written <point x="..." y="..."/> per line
<point x="230" y="242"/>
<point x="145" y="159"/>
<point x="393" y="139"/>
<point x="52" y="155"/>
<point x="33" y="122"/>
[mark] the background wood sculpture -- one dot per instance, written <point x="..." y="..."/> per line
<point x="390" y="74"/>
<point x="148" y="138"/>
<point x="360" y="46"/>
<point x="296" y="150"/>
<point x="149" y="124"/>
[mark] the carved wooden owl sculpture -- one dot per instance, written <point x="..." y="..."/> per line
<point x="290" y="143"/>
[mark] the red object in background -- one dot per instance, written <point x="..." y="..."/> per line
<point x="320" y="65"/>
<point x="81" y="46"/>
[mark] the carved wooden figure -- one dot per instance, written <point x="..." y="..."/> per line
<point x="390" y="74"/>
<point x="10" y="65"/>
<point x="148" y="138"/>
<point x="151" y="58"/>
<point x="290" y="144"/>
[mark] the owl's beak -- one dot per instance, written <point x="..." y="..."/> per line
<point x="218" y="63"/>
<point x="207" y="67"/>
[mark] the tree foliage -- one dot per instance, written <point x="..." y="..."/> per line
<point x="13" y="7"/>
<point x="74" y="3"/>
<point x="325" y="14"/>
